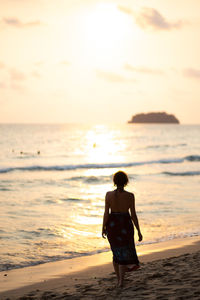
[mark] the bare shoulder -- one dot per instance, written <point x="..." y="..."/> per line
<point x="109" y="194"/>
<point x="130" y="195"/>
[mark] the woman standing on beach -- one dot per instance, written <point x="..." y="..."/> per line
<point x="118" y="227"/>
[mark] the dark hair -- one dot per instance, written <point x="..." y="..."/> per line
<point x="120" y="179"/>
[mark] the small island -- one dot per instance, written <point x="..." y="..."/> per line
<point x="154" y="117"/>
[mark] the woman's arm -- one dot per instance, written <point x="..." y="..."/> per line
<point x="105" y="216"/>
<point x="135" y="218"/>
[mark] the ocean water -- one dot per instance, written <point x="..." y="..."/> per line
<point x="53" y="180"/>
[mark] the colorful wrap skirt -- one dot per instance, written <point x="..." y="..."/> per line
<point x="120" y="234"/>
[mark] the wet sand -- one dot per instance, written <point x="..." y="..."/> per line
<point x="170" y="270"/>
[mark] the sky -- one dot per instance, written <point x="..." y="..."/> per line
<point x="85" y="61"/>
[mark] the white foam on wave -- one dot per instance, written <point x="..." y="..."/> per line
<point x="188" y="173"/>
<point x="190" y="158"/>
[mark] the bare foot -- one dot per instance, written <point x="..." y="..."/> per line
<point x="132" y="268"/>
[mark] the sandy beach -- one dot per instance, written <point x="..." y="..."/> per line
<point x="168" y="271"/>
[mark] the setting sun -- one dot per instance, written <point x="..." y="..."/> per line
<point x="106" y="31"/>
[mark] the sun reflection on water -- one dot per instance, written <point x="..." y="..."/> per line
<point x="101" y="145"/>
<point x="89" y="220"/>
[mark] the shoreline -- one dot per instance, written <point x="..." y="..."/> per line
<point x="68" y="274"/>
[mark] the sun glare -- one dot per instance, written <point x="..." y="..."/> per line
<point x="105" y="35"/>
<point x="101" y="146"/>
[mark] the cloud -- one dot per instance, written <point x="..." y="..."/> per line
<point x="16" y="75"/>
<point x="19" y="24"/>
<point x="143" y="70"/>
<point x="192" y="73"/>
<point x="112" y="77"/>
<point x="15" y="79"/>
<point x="18" y="87"/>
<point x="151" y="18"/>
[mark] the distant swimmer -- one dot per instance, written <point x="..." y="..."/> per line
<point x="28" y="153"/>
<point x="24" y="153"/>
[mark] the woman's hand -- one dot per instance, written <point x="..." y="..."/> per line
<point x="140" y="236"/>
<point x="104" y="233"/>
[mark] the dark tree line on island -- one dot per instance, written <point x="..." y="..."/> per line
<point x="154" y="117"/>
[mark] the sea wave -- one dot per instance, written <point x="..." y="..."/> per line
<point x="170" y="237"/>
<point x="191" y="158"/>
<point x="158" y="146"/>
<point x="72" y="254"/>
<point x="189" y="173"/>
<point x="91" y="179"/>
<point x="47" y="259"/>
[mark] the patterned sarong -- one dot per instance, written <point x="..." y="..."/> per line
<point x="120" y="233"/>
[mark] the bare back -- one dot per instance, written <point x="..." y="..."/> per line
<point x="120" y="201"/>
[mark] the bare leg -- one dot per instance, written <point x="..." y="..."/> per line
<point x="116" y="268"/>
<point x="122" y="270"/>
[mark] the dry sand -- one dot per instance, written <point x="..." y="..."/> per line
<point x="168" y="274"/>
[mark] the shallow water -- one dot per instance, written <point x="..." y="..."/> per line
<point x="52" y="201"/>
